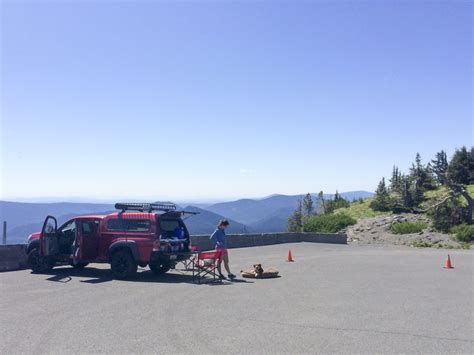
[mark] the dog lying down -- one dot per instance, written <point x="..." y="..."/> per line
<point x="258" y="273"/>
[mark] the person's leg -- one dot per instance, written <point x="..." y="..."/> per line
<point x="225" y="259"/>
<point x="219" y="266"/>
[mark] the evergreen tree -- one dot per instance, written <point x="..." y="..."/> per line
<point x="459" y="166"/>
<point x="439" y="167"/>
<point x="417" y="192"/>
<point x="418" y="171"/>
<point x="471" y="166"/>
<point x="381" y="201"/>
<point x="406" y="196"/>
<point x="308" y="206"/>
<point x="395" y="181"/>
<point x="430" y="179"/>
<point x="421" y="179"/>
<point x="295" y="222"/>
<point x="337" y="202"/>
<point x="447" y="215"/>
<point x="321" y="203"/>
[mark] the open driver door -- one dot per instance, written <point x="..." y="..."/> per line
<point x="49" y="242"/>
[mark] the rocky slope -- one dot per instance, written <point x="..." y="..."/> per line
<point x="376" y="230"/>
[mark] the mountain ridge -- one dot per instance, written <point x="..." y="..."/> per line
<point x="269" y="214"/>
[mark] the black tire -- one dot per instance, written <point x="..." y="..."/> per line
<point x="122" y="264"/>
<point x="79" y="265"/>
<point x="37" y="263"/>
<point x="159" y="267"/>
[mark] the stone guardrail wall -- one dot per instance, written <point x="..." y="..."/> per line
<point x="13" y="257"/>
<point x="254" y="240"/>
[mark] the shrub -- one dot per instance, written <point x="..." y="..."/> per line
<point x="408" y="227"/>
<point x="447" y="215"/>
<point x="420" y="244"/>
<point x="464" y="232"/>
<point x="330" y="223"/>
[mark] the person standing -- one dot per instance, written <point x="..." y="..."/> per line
<point x="220" y="240"/>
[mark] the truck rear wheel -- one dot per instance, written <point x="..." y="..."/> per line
<point x="122" y="264"/>
<point x="38" y="263"/>
<point x="159" y="267"/>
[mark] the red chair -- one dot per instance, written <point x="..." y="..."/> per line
<point x="188" y="263"/>
<point x="205" y="264"/>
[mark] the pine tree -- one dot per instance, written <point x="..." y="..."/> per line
<point x="458" y="169"/>
<point x="395" y="183"/>
<point x="308" y="206"/>
<point x="417" y="192"/>
<point x="321" y="203"/>
<point x="334" y="204"/>
<point x="381" y="201"/>
<point x="418" y="171"/>
<point x="295" y="222"/>
<point x="406" y="195"/>
<point x="430" y="179"/>
<point x="439" y="167"/>
<point x="471" y="166"/>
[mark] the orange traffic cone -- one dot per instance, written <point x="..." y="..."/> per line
<point x="290" y="257"/>
<point x="447" y="264"/>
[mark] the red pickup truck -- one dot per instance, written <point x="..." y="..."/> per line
<point x="152" y="234"/>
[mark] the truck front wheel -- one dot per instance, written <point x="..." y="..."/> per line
<point x="122" y="264"/>
<point x="38" y="263"/>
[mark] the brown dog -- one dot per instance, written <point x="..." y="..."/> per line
<point x="258" y="270"/>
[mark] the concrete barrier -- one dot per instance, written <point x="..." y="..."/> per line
<point x="253" y="240"/>
<point x="13" y="257"/>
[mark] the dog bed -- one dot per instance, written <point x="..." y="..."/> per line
<point x="258" y="273"/>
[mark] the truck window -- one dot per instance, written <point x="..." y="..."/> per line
<point x="128" y="225"/>
<point x="69" y="229"/>
<point x="168" y="227"/>
<point x="89" y="226"/>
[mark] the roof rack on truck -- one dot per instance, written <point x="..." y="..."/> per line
<point x="146" y="207"/>
<point x="167" y="207"/>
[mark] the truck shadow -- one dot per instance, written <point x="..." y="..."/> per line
<point x="97" y="276"/>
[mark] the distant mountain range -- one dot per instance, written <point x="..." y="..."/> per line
<point x="268" y="214"/>
<point x="271" y="213"/>
<point x="206" y="222"/>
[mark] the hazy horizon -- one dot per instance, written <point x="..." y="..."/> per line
<point x="112" y="200"/>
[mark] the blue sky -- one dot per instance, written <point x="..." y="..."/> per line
<point x="216" y="100"/>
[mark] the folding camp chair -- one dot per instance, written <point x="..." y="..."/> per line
<point x="188" y="263"/>
<point x="205" y="264"/>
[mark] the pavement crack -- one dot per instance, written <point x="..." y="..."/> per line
<point x="309" y="326"/>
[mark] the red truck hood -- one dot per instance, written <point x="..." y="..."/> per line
<point x="35" y="235"/>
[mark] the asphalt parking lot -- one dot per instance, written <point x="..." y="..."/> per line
<point x="333" y="298"/>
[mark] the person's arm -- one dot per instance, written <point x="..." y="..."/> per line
<point x="213" y="236"/>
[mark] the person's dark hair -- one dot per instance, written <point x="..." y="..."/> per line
<point x="223" y="222"/>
